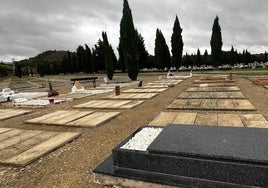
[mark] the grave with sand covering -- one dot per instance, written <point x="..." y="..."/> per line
<point x="110" y="104"/>
<point x="211" y="95"/>
<point x="214" y="85"/>
<point x="159" y="90"/>
<point x="75" y="118"/>
<point x="211" y="104"/>
<point x="21" y="147"/>
<point x="132" y="96"/>
<point x="189" y="156"/>
<point x="10" y="113"/>
<point x="213" y="89"/>
<point x="213" y="119"/>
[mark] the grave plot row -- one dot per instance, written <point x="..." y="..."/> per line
<point x="10" y="113"/>
<point x="210" y="119"/>
<point x="110" y="104"/>
<point x="213" y="89"/>
<point x="211" y="95"/>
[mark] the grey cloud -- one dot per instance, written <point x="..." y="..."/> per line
<point x="32" y="26"/>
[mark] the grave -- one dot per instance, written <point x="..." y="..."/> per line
<point x="213" y="89"/>
<point x="75" y="118"/>
<point x="213" y="81"/>
<point x="214" y="84"/>
<point x="213" y="119"/>
<point x="21" y="147"/>
<point x="211" y="95"/>
<point x="211" y="104"/>
<point x="133" y="96"/>
<point x="194" y="156"/>
<point x="110" y="104"/>
<point x="159" y="90"/>
<point x="10" y="113"/>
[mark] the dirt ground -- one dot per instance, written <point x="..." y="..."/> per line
<point x="72" y="164"/>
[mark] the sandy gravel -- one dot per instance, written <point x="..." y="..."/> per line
<point x="72" y="164"/>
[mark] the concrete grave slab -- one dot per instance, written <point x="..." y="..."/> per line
<point x="211" y="104"/>
<point x="74" y="118"/>
<point x="254" y="120"/>
<point x="211" y="95"/>
<point x="110" y="104"/>
<point x="213" y="81"/>
<point x="194" y="156"/>
<point x="213" y="84"/>
<point x="158" y="90"/>
<point x="133" y="96"/>
<point x="165" y="118"/>
<point x="21" y="147"/>
<point x="214" y="119"/>
<point x="213" y="89"/>
<point x="10" y="113"/>
<point x="94" y="119"/>
<point x="155" y="86"/>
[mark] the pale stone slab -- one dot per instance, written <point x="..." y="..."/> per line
<point x="211" y="95"/>
<point x="213" y="89"/>
<point x="10" y="113"/>
<point x="36" y="149"/>
<point x="10" y="133"/>
<point x="232" y="120"/>
<point x="254" y="120"/>
<point x="212" y="81"/>
<point x="214" y="85"/>
<point x="159" y="90"/>
<point x="206" y="119"/>
<point x="133" y="96"/>
<point x="94" y="119"/>
<point x="2" y="130"/>
<point x="212" y="104"/>
<point x="59" y="117"/>
<point x="165" y="118"/>
<point x="110" y="104"/>
<point x="156" y="86"/>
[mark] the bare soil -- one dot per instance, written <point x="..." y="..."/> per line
<point x="72" y="164"/>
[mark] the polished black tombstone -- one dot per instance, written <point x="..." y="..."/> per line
<point x="196" y="156"/>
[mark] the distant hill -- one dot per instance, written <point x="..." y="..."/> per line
<point x="45" y="57"/>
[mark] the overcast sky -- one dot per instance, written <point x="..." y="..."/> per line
<point x="32" y="26"/>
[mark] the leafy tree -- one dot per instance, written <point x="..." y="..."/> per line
<point x="205" y="58"/>
<point x="176" y="44"/>
<point x="142" y="52"/>
<point x="18" y="71"/>
<point x="108" y="57"/>
<point x="198" y="59"/>
<point x="88" y="60"/>
<point x="216" y="43"/>
<point x="128" y="43"/>
<point x="80" y="51"/>
<point x="122" y="65"/>
<point x="162" y="55"/>
<point x="98" y="56"/>
<point x="232" y="56"/>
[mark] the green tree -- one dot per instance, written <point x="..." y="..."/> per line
<point x="18" y="71"/>
<point x="216" y="43"/>
<point x="232" y="56"/>
<point x="176" y="44"/>
<point x="205" y="58"/>
<point x="265" y="57"/>
<point x="142" y="52"/>
<point x="81" y="58"/>
<point x="162" y="55"/>
<point x="88" y="60"/>
<point x="128" y="43"/>
<point x="108" y="57"/>
<point x="198" y="59"/>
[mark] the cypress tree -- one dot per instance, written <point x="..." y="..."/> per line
<point x="80" y="58"/>
<point x="176" y="44"/>
<point x="18" y="71"/>
<point x="128" y="42"/>
<point x="88" y="58"/>
<point x="162" y="55"/>
<point x="205" y="58"/>
<point x="142" y="52"/>
<point x="265" y="57"/>
<point x="232" y="56"/>
<point x="108" y="57"/>
<point x="216" y="43"/>
<point x="198" y="60"/>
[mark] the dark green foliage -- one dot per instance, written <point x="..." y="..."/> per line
<point x="176" y="44"/>
<point x="3" y="71"/>
<point x="162" y="55"/>
<point x="188" y="60"/>
<point x="122" y="65"/>
<point x="108" y="57"/>
<point x="142" y="52"/>
<point x="128" y="43"/>
<point x="18" y="71"/>
<point x="198" y="59"/>
<point x="216" y="43"/>
<point x="81" y="58"/>
<point x="88" y="64"/>
<point x="232" y="56"/>
<point x="98" y="56"/>
<point x="205" y="58"/>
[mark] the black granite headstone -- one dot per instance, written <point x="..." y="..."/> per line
<point x="196" y="156"/>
